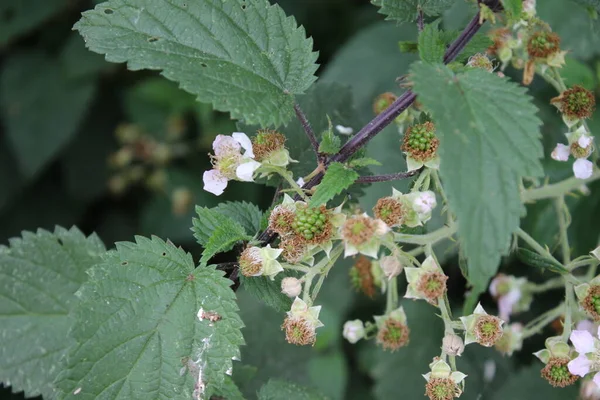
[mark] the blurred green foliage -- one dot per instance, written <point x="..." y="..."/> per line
<point x="88" y="143"/>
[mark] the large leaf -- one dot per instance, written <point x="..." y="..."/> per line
<point x="489" y="140"/>
<point x="244" y="56"/>
<point x="39" y="275"/>
<point x="407" y="10"/>
<point x="138" y="331"/>
<point x="247" y="215"/>
<point x="41" y="107"/>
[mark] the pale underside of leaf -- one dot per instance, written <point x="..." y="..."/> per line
<point x="137" y="328"/>
<point x="246" y="57"/>
<point x="39" y="275"/>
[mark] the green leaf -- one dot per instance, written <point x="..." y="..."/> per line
<point x="228" y="390"/>
<point x="575" y="72"/>
<point x="40" y="273"/>
<point x="267" y="291"/>
<point x="223" y="239"/>
<point x="513" y="7"/>
<point x="276" y="390"/>
<point x="478" y="44"/>
<point x="34" y="81"/>
<point x="591" y="6"/>
<point x="408" y="46"/>
<point x="363" y="162"/>
<point x="407" y="10"/>
<point x="137" y="327"/>
<point x="533" y="259"/>
<point x="20" y="17"/>
<point x="244" y="56"/>
<point x="431" y="45"/>
<point x="330" y="143"/>
<point x="337" y="178"/>
<point x="246" y="214"/>
<point x="207" y="222"/>
<point x="489" y="139"/>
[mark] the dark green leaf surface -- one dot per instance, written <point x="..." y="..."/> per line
<point x="138" y="331"/>
<point x="407" y="10"/>
<point x="40" y="273"/>
<point x="489" y="136"/>
<point x="338" y="177"/>
<point x="244" y="56"/>
<point x="276" y="390"/>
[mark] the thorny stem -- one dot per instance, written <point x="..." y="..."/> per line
<point x="388" y="177"/>
<point x="308" y="130"/>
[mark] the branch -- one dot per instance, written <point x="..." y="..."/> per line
<point x="420" y="22"/>
<point x="308" y="130"/>
<point x="385" y="118"/>
<point x="388" y="177"/>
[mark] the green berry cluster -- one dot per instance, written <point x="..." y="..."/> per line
<point x="420" y="137"/>
<point x="309" y="222"/>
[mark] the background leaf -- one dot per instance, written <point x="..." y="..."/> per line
<point x="267" y="291"/>
<point x="276" y="389"/>
<point x="407" y="10"/>
<point x="59" y="103"/>
<point x="250" y="73"/>
<point x="19" y="17"/>
<point x="40" y="273"/>
<point x="431" y="45"/>
<point x="137" y="326"/>
<point x="489" y="139"/>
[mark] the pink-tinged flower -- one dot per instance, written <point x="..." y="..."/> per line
<point x="586" y="362"/>
<point x="229" y="163"/>
<point x="561" y="152"/>
<point x="582" y="168"/>
<point x="584" y="141"/>
<point x="586" y="325"/>
<point x="511" y="294"/>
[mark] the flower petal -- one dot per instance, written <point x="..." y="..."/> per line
<point x="246" y="170"/>
<point x="561" y="152"/>
<point x="214" y="182"/>
<point x="579" y="366"/>
<point x="582" y="168"/>
<point x="223" y="145"/>
<point x="583" y="341"/>
<point x="507" y="302"/>
<point x="244" y="140"/>
<point x="584" y="141"/>
<point x="597" y="379"/>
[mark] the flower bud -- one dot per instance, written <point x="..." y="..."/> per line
<point x="589" y="390"/>
<point x="301" y="323"/>
<point x="453" y="345"/>
<point x="256" y="261"/>
<point x="291" y="286"/>
<point x="390" y="266"/>
<point x="354" y="331"/>
<point x="383" y="101"/>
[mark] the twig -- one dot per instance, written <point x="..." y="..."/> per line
<point x="386" y="117"/>
<point x="420" y="22"/>
<point x="308" y="130"/>
<point x="388" y="177"/>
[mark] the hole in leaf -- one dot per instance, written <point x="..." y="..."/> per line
<point x="164" y="254"/>
<point x="124" y="263"/>
<point x="60" y="241"/>
<point x="243" y="6"/>
<point x="108" y="11"/>
<point x="152" y="39"/>
<point x="203" y="65"/>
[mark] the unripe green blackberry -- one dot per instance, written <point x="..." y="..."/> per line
<point x="556" y="372"/>
<point x="311" y="223"/>
<point x="543" y="44"/>
<point x="420" y="141"/>
<point x="577" y="102"/>
<point x="383" y="101"/>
